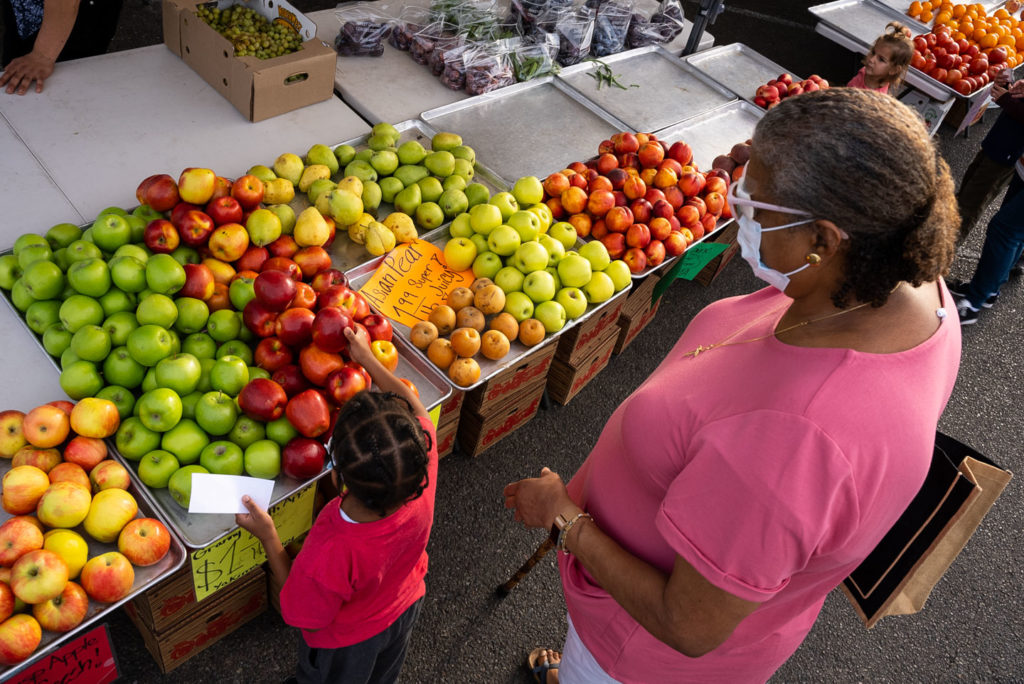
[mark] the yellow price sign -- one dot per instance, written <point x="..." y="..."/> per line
<point x="435" y="414"/>
<point x="411" y="281"/>
<point x="222" y="562"/>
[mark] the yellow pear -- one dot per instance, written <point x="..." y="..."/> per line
<point x="289" y="166"/>
<point x="353" y="184"/>
<point x="278" y="191"/>
<point x="344" y="207"/>
<point x="312" y="173"/>
<point x="310" y="228"/>
<point x="357" y="230"/>
<point x="402" y="226"/>
<point x="379" y="239"/>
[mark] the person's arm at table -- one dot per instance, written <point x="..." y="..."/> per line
<point x="58" y="20"/>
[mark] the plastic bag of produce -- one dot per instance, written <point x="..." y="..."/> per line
<point x="489" y="66"/>
<point x="476" y="20"/>
<point x="575" y="32"/>
<point x="611" y="26"/>
<point x="670" y="17"/>
<point x="664" y="25"/>
<point x="410" y="20"/>
<point x="454" y="74"/>
<point x="535" y="59"/>
<point x="423" y="41"/>
<point x="442" y="47"/>
<point x="363" y="30"/>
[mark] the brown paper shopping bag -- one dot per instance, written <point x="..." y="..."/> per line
<point x="897" y="577"/>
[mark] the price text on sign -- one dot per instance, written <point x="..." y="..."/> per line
<point x="227" y="559"/>
<point x="697" y="257"/>
<point x="411" y="280"/>
<point x="88" y="659"/>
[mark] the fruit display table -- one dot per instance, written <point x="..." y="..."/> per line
<point x="105" y="122"/>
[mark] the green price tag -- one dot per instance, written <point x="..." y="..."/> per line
<point x="694" y="260"/>
<point x="230" y="557"/>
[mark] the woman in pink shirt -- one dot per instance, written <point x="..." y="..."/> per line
<point x="787" y="429"/>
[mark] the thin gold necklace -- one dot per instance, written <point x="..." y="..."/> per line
<point x="726" y="343"/>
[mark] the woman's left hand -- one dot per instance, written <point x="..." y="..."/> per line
<point x="537" y="500"/>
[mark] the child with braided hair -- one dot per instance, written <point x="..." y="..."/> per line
<point x="886" y="64"/>
<point x="356" y="587"/>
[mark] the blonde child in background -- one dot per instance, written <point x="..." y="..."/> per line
<point x="887" y="62"/>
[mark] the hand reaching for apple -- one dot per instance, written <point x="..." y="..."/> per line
<point x="359" y="346"/>
<point x="257" y="521"/>
<point x="537" y="500"/>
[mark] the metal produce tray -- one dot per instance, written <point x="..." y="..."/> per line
<point x="738" y="67"/>
<point x="528" y="128"/>
<point x="145" y="577"/>
<point x="715" y="132"/>
<point x="488" y="368"/>
<point x="668" y="90"/>
<point x="346" y="254"/>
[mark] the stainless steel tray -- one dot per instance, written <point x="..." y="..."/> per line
<point x="668" y="90"/>
<point x="715" y="132"/>
<point x="863" y="20"/>
<point x="145" y="577"/>
<point x="738" y="67"/>
<point x="488" y="368"/>
<point x="346" y="254"/>
<point x="528" y="128"/>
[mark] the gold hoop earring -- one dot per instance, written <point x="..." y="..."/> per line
<point x="813" y="259"/>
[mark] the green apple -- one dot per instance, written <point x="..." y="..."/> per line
<point x="509" y="279"/>
<point x="236" y="348"/>
<point x="79" y="310"/>
<point x="192" y="315"/>
<point x="229" y="374"/>
<point x="67" y="358"/>
<point x="186" y="441"/>
<point x="180" y="484"/>
<point x="554" y="274"/>
<point x="543" y="214"/>
<point x="119" y="326"/>
<point x="551" y="314"/>
<point x="157" y="467"/>
<point x="186" y="255"/>
<point x="91" y="343"/>
<point x="180" y="373"/>
<point x="60" y="257"/>
<point x="164" y="274"/>
<point x="56" y="339"/>
<point x="484" y="218"/>
<point x="160" y="409"/>
<point x="531" y="256"/>
<point x="121" y="397"/>
<point x="149" y="382"/>
<point x="175" y="341"/>
<point x="41" y="315"/>
<point x="281" y="431"/>
<point x="204" y="378"/>
<point x="459" y="254"/>
<point x="555" y="249"/>
<point x="240" y="292"/>
<point x="246" y="431"/>
<point x="26" y="240"/>
<point x="121" y="369"/>
<point x="110" y="231"/>
<point x="526" y="224"/>
<point x="10" y="271"/>
<point x="116" y="300"/>
<point x="528" y="190"/>
<point x="42" y="280"/>
<point x="134" y="440"/>
<point x="504" y="241"/>
<point x="128" y="273"/>
<point x="118" y="211"/>
<point x="216" y="412"/>
<point x="600" y="288"/>
<point x="573" y="301"/>
<point x="564" y="232"/>
<point x="620" y="274"/>
<point x="487" y="265"/>
<point x="262" y="458"/>
<point x="539" y="286"/>
<point x="480" y="242"/>
<point x="223" y="325"/>
<point x="90" y="277"/>
<point x="79" y="250"/>
<point x="506" y="204"/>
<point x="156" y="309"/>
<point x="574" y="270"/>
<point x="138" y="224"/>
<point x="223" y="458"/>
<point x="33" y="253"/>
<point x="460" y="226"/>
<point x="188" y="403"/>
<point x="596" y="253"/>
<point x="148" y="344"/>
<point x="20" y="296"/>
<point x="139" y="251"/>
<point x="519" y="305"/>
<point x="477" y="193"/>
<point x="200" y="345"/>
<point x="63" y="234"/>
<point x="81" y="379"/>
<point x="147" y="214"/>
<point x="257" y="372"/>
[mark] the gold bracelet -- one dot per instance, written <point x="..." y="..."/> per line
<point x="563" y="533"/>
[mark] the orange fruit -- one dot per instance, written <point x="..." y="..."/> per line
<point x="506" y="324"/>
<point x="915" y="8"/>
<point x="443" y="316"/>
<point x="531" y="332"/>
<point x="440" y="353"/>
<point x="494" y="345"/>
<point x="422" y="334"/>
<point x="464" y="372"/>
<point x="465" y="342"/>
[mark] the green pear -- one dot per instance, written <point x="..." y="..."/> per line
<point x="430" y="188"/>
<point x="411" y="152"/>
<point x="454" y="182"/>
<point x="371" y="196"/>
<point x="445" y="141"/>
<point x="344" y="207"/>
<point x="465" y="169"/>
<point x="377" y="142"/>
<point x="322" y="185"/>
<point x="410" y="173"/>
<point x="464" y="152"/>
<point x="384" y="162"/>
<point x="264" y="173"/>
<point x="477" y="193"/>
<point x="352" y="184"/>
<point x="287" y="216"/>
<point x="344" y="154"/>
<point x="387" y="130"/>
<point x="322" y="154"/>
<point x="312" y="173"/>
<point x="361" y="170"/>
<point x="389" y="187"/>
<point x="441" y="163"/>
<point x="289" y="166"/>
<point x="364" y="155"/>
<point x="429" y="215"/>
<point x="409" y="199"/>
<point x="453" y="202"/>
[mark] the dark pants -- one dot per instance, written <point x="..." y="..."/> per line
<point x="377" y="660"/>
<point x="93" y="31"/>
<point x="982" y="183"/>
<point x="1004" y="244"/>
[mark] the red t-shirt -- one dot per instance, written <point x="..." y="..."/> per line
<point x="351" y="581"/>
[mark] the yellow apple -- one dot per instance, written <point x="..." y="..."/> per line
<point x="64" y="504"/>
<point x="70" y="546"/>
<point x="111" y="510"/>
<point x="94" y="417"/>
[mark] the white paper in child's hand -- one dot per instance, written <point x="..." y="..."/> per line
<point x="223" y="493"/>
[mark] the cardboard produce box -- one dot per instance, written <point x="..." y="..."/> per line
<point x="478" y="432"/>
<point x="258" y="88"/>
<point x="566" y="380"/>
<point x="530" y="369"/>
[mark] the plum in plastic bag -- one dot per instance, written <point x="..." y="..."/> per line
<point x="575" y="33"/>
<point x="361" y="38"/>
<point x="611" y="26"/>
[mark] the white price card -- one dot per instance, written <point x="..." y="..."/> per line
<point x="223" y="493"/>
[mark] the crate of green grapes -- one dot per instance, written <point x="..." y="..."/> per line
<point x="262" y="55"/>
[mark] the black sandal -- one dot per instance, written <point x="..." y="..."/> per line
<point x="540" y="671"/>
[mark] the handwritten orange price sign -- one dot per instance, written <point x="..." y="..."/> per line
<point x="411" y="280"/>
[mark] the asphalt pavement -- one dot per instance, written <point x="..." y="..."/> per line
<point x="971" y="628"/>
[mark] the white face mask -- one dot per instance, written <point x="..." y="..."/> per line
<point x="749" y="236"/>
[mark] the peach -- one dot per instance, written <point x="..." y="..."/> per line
<point x="651" y="154"/>
<point x="582" y="223"/>
<point x="655" y="252"/>
<point x="654" y="194"/>
<point x="599" y="183"/>
<point x="691" y="183"/>
<point x="556" y="184"/>
<point x="674" y="196"/>
<point x="615" y="243"/>
<point x="634" y="187"/>
<point x="555" y="205"/>
<point x="671" y="164"/>
<point x="629" y="160"/>
<point x="620" y="199"/>
<point x="574" y="200"/>
<point x="681" y="152"/>
<point x="636" y="259"/>
<point x="716" y="184"/>
<point x="607" y="162"/>
<point x="665" y="177"/>
<point x="698" y="202"/>
<point x="675" y="244"/>
<point x="709" y="222"/>
<point x="641" y="209"/>
<point x="600" y="202"/>
<point x="662" y="209"/>
<point x="606" y="147"/>
<point x="577" y="180"/>
<point x="619" y="219"/>
<point x="625" y="143"/>
<point x="598" y="229"/>
<point x="638" y="235"/>
<point x="618" y="178"/>
<point x="660" y="228"/>
<point x="647" y="175"/>
<point x="578" y="167"/>
<point x="715" y="202"/>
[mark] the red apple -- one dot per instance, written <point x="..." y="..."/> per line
<point x="312" y="260"/>
<point x="272" y="353"/>
<point x="274" y="289"/>
<point x="366" y="375"/>
<point x="283" y="264"/>
<point x="291" y="380"/>
<point x="38" y="576"/>
<point x="324" y="279"/>
<point x="196" y="185"/>
<point x="329" y="329"/>
<point x="159" y="192"/>
<point x="332" y="296"/>
<point x="303" y="458"/>
<point x="259" y="318"/>
<point x="108" y="577"/>
<point x="305" y="296"/>
<point x="248" y="191"/>
<point x="317" y="364"/>
<point x="294" y="326"/>
<point x="85" y="452"/>
<point x="19" y="637"/>
<point x="263" y="399"/>
<point x="345" y="383"/>
<point x="284" y="246"/>
<point x="199" y="282"/>
<point x="161" y="236"/>
<point x="66" y="611"/>
<point x="253" y="259"/>
<point x="224" y="210"/>
<point x="379" y="327"/>
<point x="18" y="536"/>
<point x="308" y="412"/>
